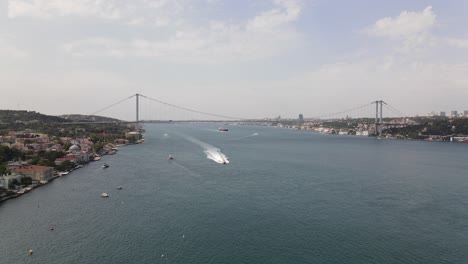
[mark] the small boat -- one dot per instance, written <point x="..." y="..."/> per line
<point x="170" y="157"/>
<point x="223" y="129"/>
<point x="104" y="195"/>
<point x="119" y="188"/>
<point x="105" y="166"/>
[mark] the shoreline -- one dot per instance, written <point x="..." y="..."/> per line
<point x="454" y="138"/>
<point x="54" y="177"/>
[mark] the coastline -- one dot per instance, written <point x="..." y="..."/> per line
<point x="56" y="175"/>
<point x="431" y="138"/>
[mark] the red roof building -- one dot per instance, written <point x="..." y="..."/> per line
<point x="38" y="173"/>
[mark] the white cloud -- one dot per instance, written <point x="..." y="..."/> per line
<point x="267" y="34"/>
<point x="51" y="8"/>
<point x="456" y="42"/>
<point x="407" y="24"/>
<point x="158" y="13"/>
<point x="134" y="13"/>
<point x="286" y="11"/>
<point x="405" y="83"/>
<point x="411" y="31"/>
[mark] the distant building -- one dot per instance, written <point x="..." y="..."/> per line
<point x="465" y="113"/>
<point x="442" y="114"/>
<point x="454" y="113"/>
<point x="72" y="159"/>
<point x="301" y="119"/>
<point x="38" y="173"/>
<point x="362" y="133"/>
<point x="15" y="164"/>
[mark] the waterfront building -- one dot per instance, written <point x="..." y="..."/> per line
<point x="362" y="133"/>
<point x="72" y="159"/>
<point x="7" y="179"/>
<point x="121" y="141"/>
<point x="132" y="134"/>
<point x="38" y="173"/>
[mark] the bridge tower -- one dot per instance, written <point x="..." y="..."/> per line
<point x="137" y="109"/>
<point x="378" y="117"/>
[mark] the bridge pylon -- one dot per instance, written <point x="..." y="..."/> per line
<point x="137" y="109"/>
<point x="378" y="117"/>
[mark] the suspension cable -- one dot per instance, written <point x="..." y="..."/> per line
<point x="192" y="110"/>
<point x="394" y="110"/>
<point x="114" y="104"/>
<point x="341" y="112"/>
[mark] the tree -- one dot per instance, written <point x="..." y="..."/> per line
<point x="45" y="162"/>
<point x="65" y="166"/>
<point x="4" y="170"/>
<point x="13" y="183"/>
<point x="26" y="181"/>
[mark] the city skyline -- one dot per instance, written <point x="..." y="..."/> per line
<point x="281" y="57"/>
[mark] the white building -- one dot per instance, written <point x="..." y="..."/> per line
<point x="362" y="133"/>
<point x="5" y="180"/>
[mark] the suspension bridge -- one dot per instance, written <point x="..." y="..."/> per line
<point x="157" y="111"/>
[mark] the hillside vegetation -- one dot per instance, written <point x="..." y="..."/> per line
<point x="88" y="118"/>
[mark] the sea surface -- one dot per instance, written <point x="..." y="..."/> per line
<point x="284" y="197"/>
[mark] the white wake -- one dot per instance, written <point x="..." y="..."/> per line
<point x="249" y="136"/>
<point x="213" y="153"/>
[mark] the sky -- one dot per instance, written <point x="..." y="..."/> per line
<point x="240" y="58"/>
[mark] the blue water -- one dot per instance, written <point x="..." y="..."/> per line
<point x="285" y="197"/>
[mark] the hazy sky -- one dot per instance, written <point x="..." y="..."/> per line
<point x="239" y="58"/>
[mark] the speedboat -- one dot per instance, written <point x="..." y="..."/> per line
<point x="221" y="129"/>
<point x="105" y="166"/>
<point x="170" y="157"/>
<point x="119" y="188"/>
<point x="104" y="195"/>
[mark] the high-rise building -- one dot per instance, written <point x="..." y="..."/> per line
<point x="454" y="113"/>
<point x="442" y="113"/>
<point x="465" y="113"/>
<point x="301" y="118"/>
